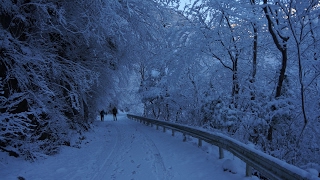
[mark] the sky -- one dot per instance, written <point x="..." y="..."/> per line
<point x="128" y="150"/>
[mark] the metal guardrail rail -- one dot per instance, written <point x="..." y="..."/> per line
<point x="269" y="166"/>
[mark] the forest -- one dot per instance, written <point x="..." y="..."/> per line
<point x="247" y="68"/>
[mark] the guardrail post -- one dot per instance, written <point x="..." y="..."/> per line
<point x="164" y="129"/>
<point x="184" y="137"/>
<point x="172" y="132"/>
<point x="221" y="153"/>
<point x="199" y="142"/>
<point x="248" y="170"/>
<point x="157" y="127"/>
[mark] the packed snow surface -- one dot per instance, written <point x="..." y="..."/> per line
<point x="127" y="150"/>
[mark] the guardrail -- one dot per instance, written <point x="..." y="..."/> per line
<point x="269" y="166"/>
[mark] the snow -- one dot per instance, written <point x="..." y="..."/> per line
<point x="310" y="174"/>
<point x="126" y="149"/>
<point x="229" y="165"/>
<point x="155" y="73"/>
<point x="263" y="157"/>
<point x="314" y="172"/>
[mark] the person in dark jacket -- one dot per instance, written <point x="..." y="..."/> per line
<point x="102" y="115"/>
<point x="115" y="112"/>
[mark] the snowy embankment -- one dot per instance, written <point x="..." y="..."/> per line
<point x="127" y="150"/>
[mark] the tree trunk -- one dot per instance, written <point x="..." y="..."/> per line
<point x="298" y="39"/>
<point x="281" y="43"/>
<point x="254" y="60"/>
<point x="254" y="55"/>
<point x="282" y="70"/>
<point x="235" y="82"/>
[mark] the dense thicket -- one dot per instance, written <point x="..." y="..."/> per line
<point x="60" y="62"/>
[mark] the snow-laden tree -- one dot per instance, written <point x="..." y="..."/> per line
<point x="278" y="122"/>
<point x="52" y="54"/>
<point x="236" y="66"/>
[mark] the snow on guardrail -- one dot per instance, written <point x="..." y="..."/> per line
<point x="270" y="166"/>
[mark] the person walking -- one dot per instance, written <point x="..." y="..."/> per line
<point x="115" y="112"/>
<point x="102" y="115"/>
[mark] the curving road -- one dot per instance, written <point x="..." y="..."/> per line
<point x="137" y="151"/>
<point x="133" y="154"/>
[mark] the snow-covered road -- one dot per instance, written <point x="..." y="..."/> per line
<point x="126" y="150"/>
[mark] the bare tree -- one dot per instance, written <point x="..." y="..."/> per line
<point x="276" y="26"/>
<point x="300" y="25"/>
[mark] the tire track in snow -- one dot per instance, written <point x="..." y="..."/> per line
<point x="112" y="167"/>
<point x="99" y="160"/>
<point x="120" y="156"/>
<point x="159" y="168"/>
<point x="107" y="161"/>
<point x="133" y="156"/>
